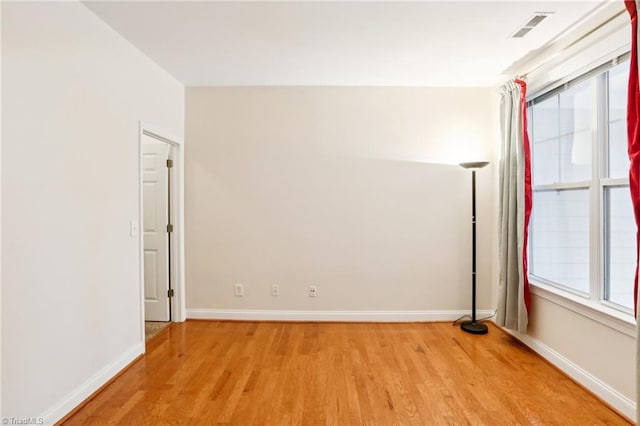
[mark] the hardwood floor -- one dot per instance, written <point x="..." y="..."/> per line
<point x="244" y="373"/>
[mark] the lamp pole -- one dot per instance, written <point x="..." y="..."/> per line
<point x="473" y="326"/>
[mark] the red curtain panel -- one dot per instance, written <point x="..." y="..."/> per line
<point x="528" y="200"/>
<point x="633" y="133"/>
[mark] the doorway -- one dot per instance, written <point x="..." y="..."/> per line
<point x="161" y="244"/>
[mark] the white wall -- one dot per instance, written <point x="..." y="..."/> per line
<point x="0" y="212"/>
<point x="339" y="188"/>
<point x="73" y="93"/>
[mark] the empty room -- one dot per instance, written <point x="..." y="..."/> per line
<point x="319" y="212"/>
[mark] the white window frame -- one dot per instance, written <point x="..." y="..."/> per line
<point x="592" y="304"/>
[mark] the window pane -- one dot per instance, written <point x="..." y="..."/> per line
<point x="577" y="108"/>
<point x="545" y="120"/>
<point x="618" y="81"/>
<point x="576" y="156"/>
<point x="618" y="158"/>
<point x="620" y="246"/>
<point x="530" y="123"/>
<point x="560" y="245"/>
<point x="577" y="123"/>
<point x="546" y="160"/>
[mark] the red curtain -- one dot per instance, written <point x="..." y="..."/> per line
<point x="633" y="133"/>
<point x="528" y="202"/>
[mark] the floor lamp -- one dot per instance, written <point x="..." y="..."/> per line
<point x="473" y="326"/>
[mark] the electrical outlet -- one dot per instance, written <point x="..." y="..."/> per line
<point x="313" y="291"/>
<point x="238" y="290"/>
<point x="275" y="290"/>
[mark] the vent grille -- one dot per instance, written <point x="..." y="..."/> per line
<point x="532" y="22"/>
<point x="522" y="32"/>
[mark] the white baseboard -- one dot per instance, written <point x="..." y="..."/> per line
<point x="624" y="405"/>
<point x="329" y="316"/>
<point x="82" y="392"/>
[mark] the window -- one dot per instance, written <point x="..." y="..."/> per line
<point x="582" y="235"/>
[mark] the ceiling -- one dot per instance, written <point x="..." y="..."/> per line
<point x="432" y="43"/>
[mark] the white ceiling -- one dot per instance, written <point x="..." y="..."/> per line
<point x="435" y="43"/>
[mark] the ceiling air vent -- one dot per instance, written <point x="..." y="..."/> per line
<point x="531" y="23"/>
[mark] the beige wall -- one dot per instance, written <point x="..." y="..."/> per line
<point x="73" y="92"/>
<point x="600" y="350"/>
<point x="339" y="188"/>
<point x="596" y="350"/>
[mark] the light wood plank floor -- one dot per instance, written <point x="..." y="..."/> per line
<point x="244" y="373"/>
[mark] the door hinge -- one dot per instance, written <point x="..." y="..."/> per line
<point x="169" y="163"/>
<point x="169" y="228"/>
<point x="170" y="292"/>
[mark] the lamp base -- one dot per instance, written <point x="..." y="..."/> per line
<point x="474" y="327"/>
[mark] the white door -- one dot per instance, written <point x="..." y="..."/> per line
<point x="155" y="218"/>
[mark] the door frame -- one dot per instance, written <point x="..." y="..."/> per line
<point x="178" y="307"/>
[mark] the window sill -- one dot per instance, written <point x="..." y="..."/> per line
<point x="610" y="317"/>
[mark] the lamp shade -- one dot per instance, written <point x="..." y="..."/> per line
<point x="474" y="164"/>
